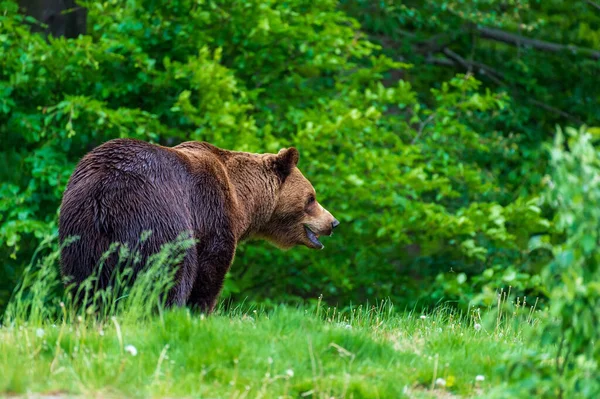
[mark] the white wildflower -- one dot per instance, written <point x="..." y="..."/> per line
<point x="290" y="372"/>
<point x="131" y="350"/>
<point x="441" y="382"/>
<point x="423" y="317"/>
<point x="477" y="326"/>
<point x="40" y="332"/>
<point x="479" y="378"/>
<point x="348" y="327"/>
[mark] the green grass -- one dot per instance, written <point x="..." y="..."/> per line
<point x="48" y="346"/>
<point x="282" y="353"/>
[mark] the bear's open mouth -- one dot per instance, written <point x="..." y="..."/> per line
<point x="313" y="238"/>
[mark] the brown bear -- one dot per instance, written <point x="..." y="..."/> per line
<point x="125" y="187"/>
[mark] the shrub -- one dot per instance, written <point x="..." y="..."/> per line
<point x="569" y="365"/>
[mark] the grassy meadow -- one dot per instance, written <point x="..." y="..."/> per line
<point x="317" y="352"/>
<point x="287" y="353"/>
<point x="124" y="343"/>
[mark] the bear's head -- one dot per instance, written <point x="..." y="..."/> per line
<point x="298" y="218"/>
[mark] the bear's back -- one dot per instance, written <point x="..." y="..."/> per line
<point x="119" y="158"/>
<point x="117" y="192"/>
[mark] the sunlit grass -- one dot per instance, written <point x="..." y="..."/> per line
<point x="138" y="349"/>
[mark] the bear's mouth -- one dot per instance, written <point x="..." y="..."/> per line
<point x="313" y="238"/>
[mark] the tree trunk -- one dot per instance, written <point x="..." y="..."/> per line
<point x="62" y="17"/>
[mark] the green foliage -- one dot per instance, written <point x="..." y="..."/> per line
<point x="530" y="49"/>
<point x="569" y="365"/>
<point x="433" y="172"/>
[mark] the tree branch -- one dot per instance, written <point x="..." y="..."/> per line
<point x="438" y="42"/>
<point x="480" y="68"/>
<point x="555" y="110"/>
<point x="593" y="4"/>
<point x="517" y="40"/>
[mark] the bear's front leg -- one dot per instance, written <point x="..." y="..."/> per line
<point x="215" y="255"/>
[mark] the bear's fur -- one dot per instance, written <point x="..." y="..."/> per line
<point x="125" y="187"/>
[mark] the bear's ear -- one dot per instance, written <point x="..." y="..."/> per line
<point x="285" y="160"/>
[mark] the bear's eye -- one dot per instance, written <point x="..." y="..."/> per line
<point x="310" y="200"/>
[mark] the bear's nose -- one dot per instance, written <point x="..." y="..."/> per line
<point x="335" y="223"/>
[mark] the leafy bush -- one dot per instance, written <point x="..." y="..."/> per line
<point x="570" y="364"/>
